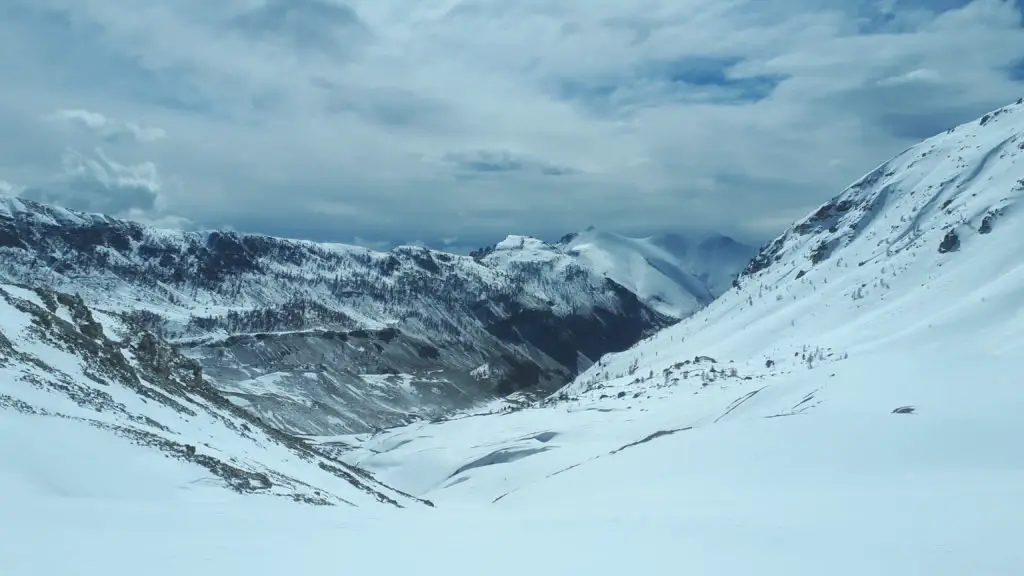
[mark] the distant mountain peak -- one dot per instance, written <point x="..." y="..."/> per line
<point x="666" y="270"/>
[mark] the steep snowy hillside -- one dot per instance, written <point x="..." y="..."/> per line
<point x="851" y="407"/>
<point x="674" y="274"/>
<point x="324" y="338"/>
<point x="91" y="409"/>
<point x="670" y="273"/>
<point x="926" y="248"/>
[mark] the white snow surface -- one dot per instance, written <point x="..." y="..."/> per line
<point x="72" y="428"/>
<point x="861" y="419"/>
<point x="674" y="274"/>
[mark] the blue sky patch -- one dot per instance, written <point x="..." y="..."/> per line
<point x="685" y="80"/>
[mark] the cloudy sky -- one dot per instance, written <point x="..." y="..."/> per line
<point x="459" y="121"/>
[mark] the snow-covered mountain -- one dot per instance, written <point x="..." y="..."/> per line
<point x="856" y="396"/>
<point x="926" y="251"/>
<point x="852" y="406"/>
<point x="90" y="407"/>
<point x="327" y="338"/>
<point x="674" y="274"/>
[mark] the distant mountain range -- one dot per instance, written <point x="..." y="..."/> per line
<point x="327" y="338"/>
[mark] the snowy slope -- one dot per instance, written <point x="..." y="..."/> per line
<point x="674" y="274"/>
<point x="927" y="246"/>
<point x="847" y="488"/>
<point x="852" y="407"/>
<point x="889" y="318"/>
<point x="89" y="410"/>
<point x="327" y="338"/>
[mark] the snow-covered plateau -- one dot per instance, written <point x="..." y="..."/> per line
<point x="851" y="406"/>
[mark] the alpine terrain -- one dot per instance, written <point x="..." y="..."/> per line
<point x="849" y="405"/>
<point x="674" y="274"/>
<point x="329" y="338"/>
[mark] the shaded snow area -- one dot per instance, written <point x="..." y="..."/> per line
<point x="852" y="407"/>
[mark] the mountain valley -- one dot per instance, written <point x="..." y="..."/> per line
<point x="846" y="401"/>
<point x="329" y="338"/>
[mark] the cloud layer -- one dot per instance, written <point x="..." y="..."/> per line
<point x="464" y="120"/>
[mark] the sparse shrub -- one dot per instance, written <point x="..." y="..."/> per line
<point x="634" y="366"/>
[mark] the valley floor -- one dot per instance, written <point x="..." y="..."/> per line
<point x="811" y="474"/>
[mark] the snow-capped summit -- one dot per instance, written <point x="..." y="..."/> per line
<point x="672" y="273"/>
<point x="716" y="259"/>
<point x="675" y="274"/>
<point x="949" y="190"/>
<point x="522" y="249"/>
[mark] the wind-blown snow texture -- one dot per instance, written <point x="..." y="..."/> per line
<point x="327" y="338"/>
<point x="846" y="410"/>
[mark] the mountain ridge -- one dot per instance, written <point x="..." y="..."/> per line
<point x="673" y="273"/>
<point x="330" y="338"/>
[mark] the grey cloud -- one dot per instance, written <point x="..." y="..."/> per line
<point x="56" y="45"/>
<point x="106" y="128"/>
<point x="391" y="121"/>
<point x="99" y="184"/>
<point x="8" y="189"/>
<point x="391" y="107"/>
<point x="503" y="161"/>
<point x="1015" y="70"/>
<point x="321" y="25"/>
